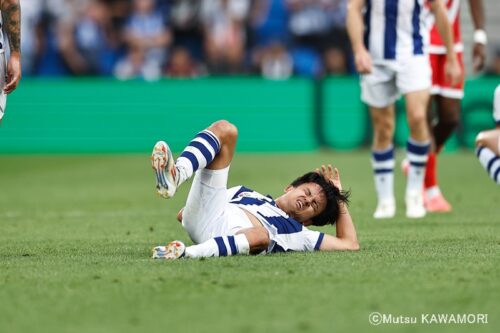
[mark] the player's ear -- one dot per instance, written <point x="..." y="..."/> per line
<point x="288" y="188"/>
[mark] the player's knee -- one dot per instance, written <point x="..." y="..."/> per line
<point x="225" y="131"/>
<point x="258" y="239"/>
<point x="417" y="119"/>
<point x="480" y="140"/>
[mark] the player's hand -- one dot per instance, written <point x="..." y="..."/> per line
<point x="453" y="71"/>
<point x="331" y="174"/>
<point x="13" y="73"/>
<point x="478" y="56"/>
<point x="363" y="61"/>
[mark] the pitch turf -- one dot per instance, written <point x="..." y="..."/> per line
<point x="76" y="234"/>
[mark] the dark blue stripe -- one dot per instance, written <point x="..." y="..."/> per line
<point x="192" y="158"/>
<point x="204" y="150"/>
<point x="284" y="225"/>
<point x="490" y="163"/>
<point x="495" y="176"/>
<point x="390" y="36"/>
<point x="378" y="171"/>
<point x="241" y="190"/>
<point x="210" y="139"/>
<point x="383" y="156"/>
<point x="320" y="239"/>
<point x="418" y="164"/>
<point x="497" y="122"/>
<point x="417" y="149"/>
<point x="478" y="151"/>
<point x="277" y="249"/>
<point x="248" y="201"/>
<point x="222" y="246"/>
<point x="232" y="245"/>
<point x="368" y="19"/>
<point x="417" y="37"/>
<point x="213" y="137"/>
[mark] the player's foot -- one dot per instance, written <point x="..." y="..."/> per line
<point x="437" y="204"/>
<point x="173" y="250"/>
<point x="386" y="209"/>
<point x="405" y="166"/>
<point x="165" y="170"/>
<point x="415" y="205"/>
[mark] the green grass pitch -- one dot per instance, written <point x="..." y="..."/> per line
<point x="76" y="234"/>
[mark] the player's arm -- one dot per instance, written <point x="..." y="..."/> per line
<point x="480" y="38"/>
<point x="452" y="67"/>
<point x="355" y="29"/>
<point x="346" y="238"/>
<point x="11" y="17"/>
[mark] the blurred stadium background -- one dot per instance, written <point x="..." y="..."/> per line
<point x="115" y="75"/>
<point x="78" y="215"/>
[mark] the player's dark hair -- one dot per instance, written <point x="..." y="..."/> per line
<point x="334" y="198"/>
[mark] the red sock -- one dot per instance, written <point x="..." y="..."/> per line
<point x="430" y="171"/>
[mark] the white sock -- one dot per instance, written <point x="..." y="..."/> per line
<point x="200" y="152"/>
<point x="220" y="247"/>
<point x="432" y="192"/>
<point x="383" y="169"/>
<point x="490" y="162"/>
<point x="417" y="156"/>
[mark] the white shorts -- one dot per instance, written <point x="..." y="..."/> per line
<point x="208" y="213"/>
<point x="391" y="79"/>
<point x="3" y="96"/>
<point x="496" y="105"/>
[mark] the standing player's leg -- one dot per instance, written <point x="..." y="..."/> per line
<point x="378" y="90"/>
<point x="417" y="151"/>
<point x="448" y="116"/>
<point x="383" y="160"/>
<point x="447" y="103"/>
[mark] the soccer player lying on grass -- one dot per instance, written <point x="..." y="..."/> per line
<point x="238" y="220"/>
<point x="488" y="143"/>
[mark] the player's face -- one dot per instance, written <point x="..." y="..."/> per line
<point x="303" y="202"/>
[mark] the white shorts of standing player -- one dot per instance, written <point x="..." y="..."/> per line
<point x="3" y="80"/>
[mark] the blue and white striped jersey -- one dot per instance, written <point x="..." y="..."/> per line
<point x="396" y="29"/>
<point x="286" y="234"/>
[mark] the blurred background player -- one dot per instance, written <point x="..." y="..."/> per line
<point x="446" y="97"/>
<point x="488" y="143"/>
<point x="10" y="73"/>
<point x="391" y="58"/>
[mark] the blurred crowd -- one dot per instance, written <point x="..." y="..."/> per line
<point x="184" y="38"/>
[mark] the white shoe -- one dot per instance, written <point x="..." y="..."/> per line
<point x="415" y="208"/>
<point x="165" y="170"/>
<point x="173" y="250"/>
<point x="386" y="209"/>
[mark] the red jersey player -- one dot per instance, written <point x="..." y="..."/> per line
<point x="447" y="97"/>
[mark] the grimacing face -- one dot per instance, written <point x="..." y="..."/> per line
<point x="303" y="202"/>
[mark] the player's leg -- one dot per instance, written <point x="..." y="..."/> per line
<point x="212" y="147"/>
<point x="207" y="200"/>
<point x="383" y="160"/>
<point x="488" y="143"/>
<point x="488" y="152"/>
<point x="417" y="151"/>
<point x="378" y="90"/>
<point x="247" y="241"/>
<point x="448" y="116"/>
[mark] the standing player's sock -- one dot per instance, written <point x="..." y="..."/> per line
<point x="417" y="156"/>
<point x="430" y="180"/>
<point x="383" y="169"/>
<point x="197" y="155"/>
<point x="220" y="247"/>
<point x="490" y="162"/>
